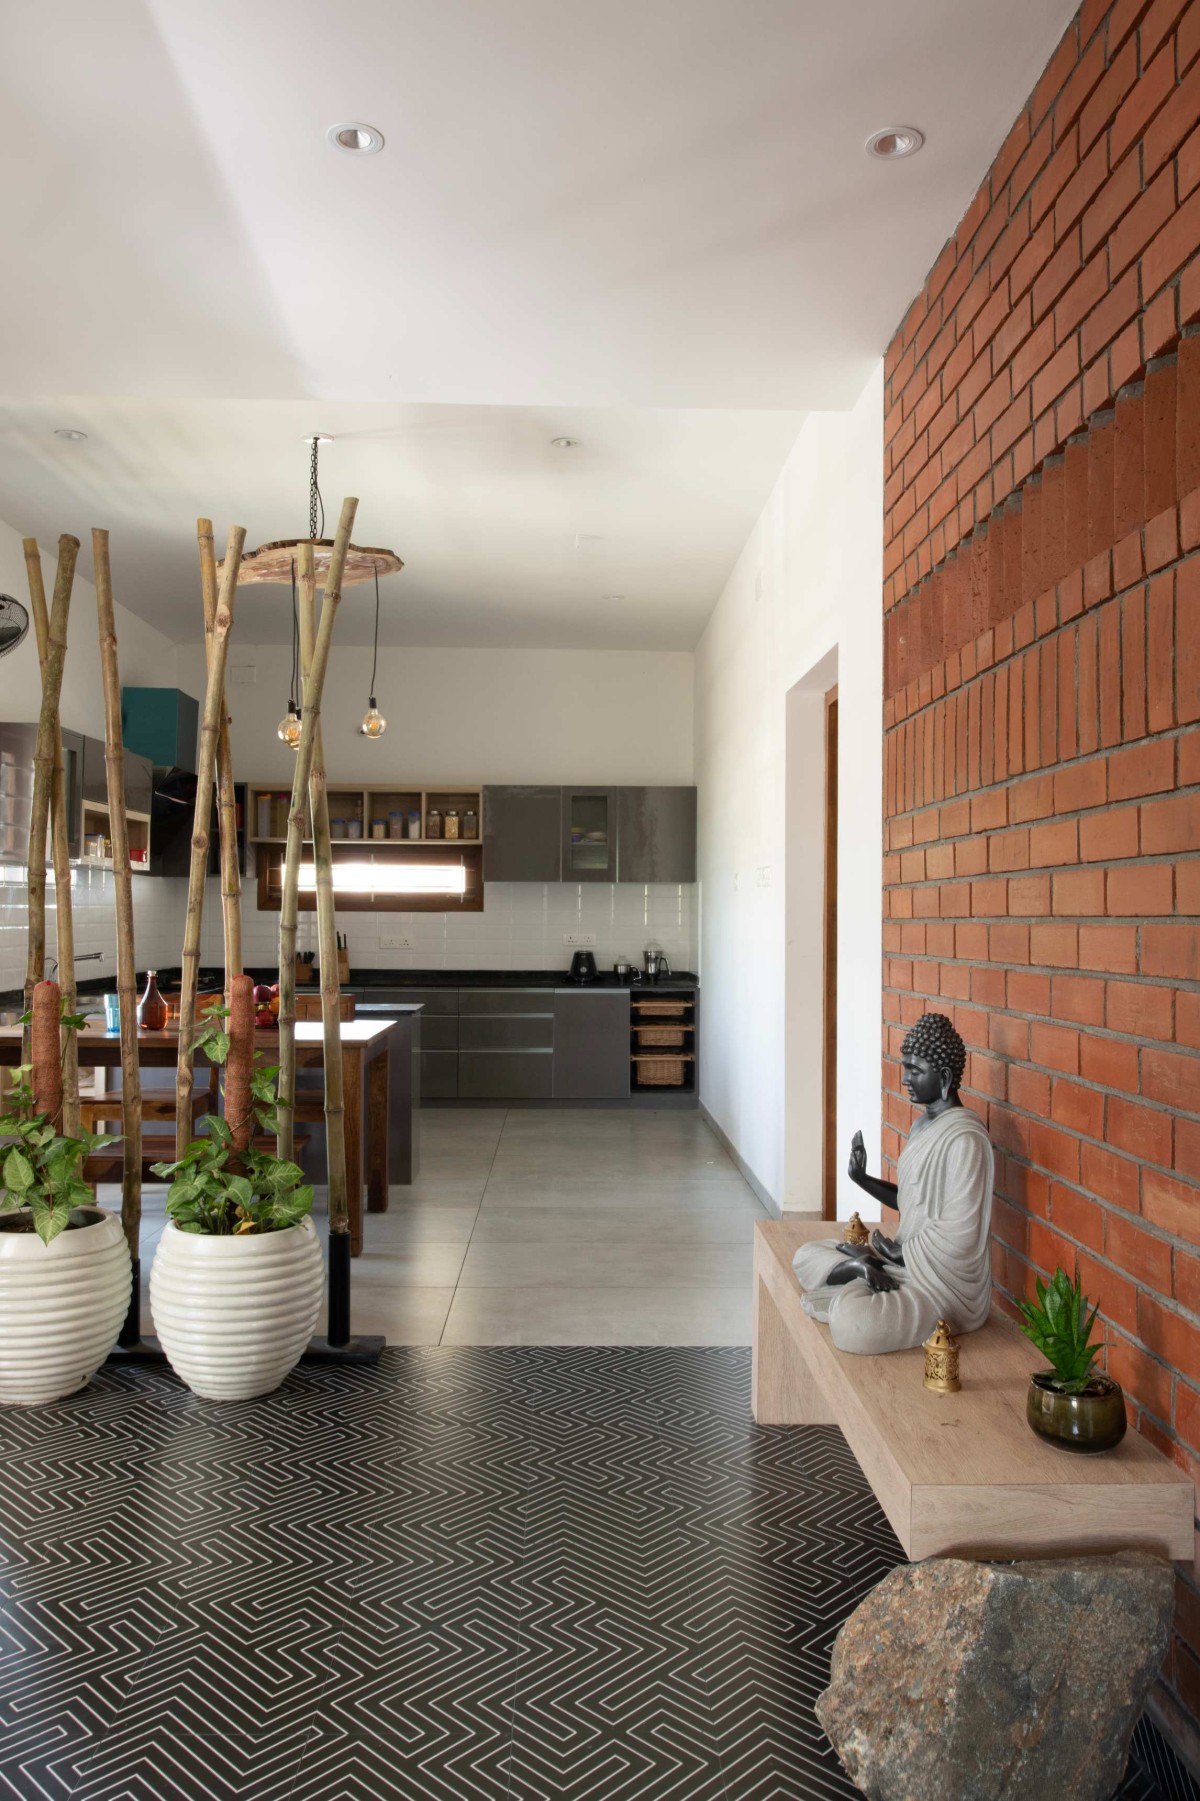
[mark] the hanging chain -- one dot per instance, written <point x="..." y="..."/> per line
<point x="375" y="653"/>
<point x="312" y="492"/>
<point x="295" y="689"/>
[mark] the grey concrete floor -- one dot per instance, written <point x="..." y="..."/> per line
<point x="541" y="1228"/>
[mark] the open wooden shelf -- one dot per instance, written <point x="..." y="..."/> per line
<point x="97" y="823"/>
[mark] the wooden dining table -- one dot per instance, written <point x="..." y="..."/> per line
<point x="365" y="1075"/>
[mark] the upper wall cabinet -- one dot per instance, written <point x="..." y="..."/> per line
<point x="589" y="834"/>
<point x="522" y="834"/>
<point x="656" y="834"/>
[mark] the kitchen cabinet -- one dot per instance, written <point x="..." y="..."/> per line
<point x="505" y="1044"/>
<point x="589" y="834"/>
<point x="505" y="1075"/>
<point x="139" y="783"/>
<point x="656" y="834"/>
<point x="95" y="776"/>
<point x="139" y="777"/>
<point x="591" y="1046"/>
<point x="72" y="743"/>
<point x="522" y="834"/>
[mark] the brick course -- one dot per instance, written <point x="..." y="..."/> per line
<point x="1042" y="697"/>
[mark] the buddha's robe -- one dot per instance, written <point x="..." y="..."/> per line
<point x="944" y="1195"/>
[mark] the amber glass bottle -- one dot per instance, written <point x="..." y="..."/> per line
<point x="152" y="1012"/>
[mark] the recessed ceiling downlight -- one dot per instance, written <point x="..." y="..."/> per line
<point x="356" y="138"/>
<point x="895" y="141"/>
<point x="565" y="443"/>
<point x="70" y="434"/>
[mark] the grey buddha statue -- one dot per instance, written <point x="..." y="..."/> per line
<point x="889" y="1294"/>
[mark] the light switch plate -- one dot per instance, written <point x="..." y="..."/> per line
<point x="580" y="941"/>
<point x="395" y="941"/>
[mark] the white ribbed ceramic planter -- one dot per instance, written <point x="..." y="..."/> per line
<point x="62" y="1305"/>
<point x="234" y="1314"/>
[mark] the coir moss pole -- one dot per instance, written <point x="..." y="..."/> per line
<point x="46" y="1051"/>
<point x="131" y="1082"/>
<point x="43" y="770"/>
<point x="206" y="765"/>
<point x="64" y="921"/>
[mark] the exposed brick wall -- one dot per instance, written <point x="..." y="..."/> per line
<point x="1042" y="678"/>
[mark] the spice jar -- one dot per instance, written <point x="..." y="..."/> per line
<point x="470" y="824"/>
<point x="414" y="823"/>
<point x="433" y="823"/>
<point x="450" y="828"/>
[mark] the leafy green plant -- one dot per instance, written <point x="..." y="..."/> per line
<point x="40" y="1170"/>
<point x="1060" y="1325"/>
<point x="217" y="1191"/>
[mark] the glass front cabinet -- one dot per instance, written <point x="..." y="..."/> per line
<point x="589" y="817"/>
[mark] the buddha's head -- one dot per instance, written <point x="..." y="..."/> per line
<point x="932" y="1059"/>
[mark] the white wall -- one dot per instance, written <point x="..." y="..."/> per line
<point x="802" y="608"/>
<point x="146" y="657"/>
<point x="472" y="715"/>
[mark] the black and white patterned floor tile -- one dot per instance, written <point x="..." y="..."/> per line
<point x="467" y="1575"/>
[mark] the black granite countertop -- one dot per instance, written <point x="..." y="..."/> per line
<point x="685" y="981"/>
<point x="368" y="979"/>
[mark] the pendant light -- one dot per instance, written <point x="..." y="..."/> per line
<point x="288" y="729"/>
<point x="274" y="561"/>
<point x="374" y="725"/>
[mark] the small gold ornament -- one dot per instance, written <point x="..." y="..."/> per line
<point x="856" y="1232"/>
<point x="941" y="1361"/>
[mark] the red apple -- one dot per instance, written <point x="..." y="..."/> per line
<point x="262" y="994"/>
<point x="264" y="1017"/>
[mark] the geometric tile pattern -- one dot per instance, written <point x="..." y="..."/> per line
<point x="465" y="1575"/>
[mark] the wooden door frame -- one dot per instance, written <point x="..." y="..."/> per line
<point x="829" y="965"/>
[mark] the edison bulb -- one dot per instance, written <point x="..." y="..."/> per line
<point x="288" y="729"/>
<point x="374" y="725"/>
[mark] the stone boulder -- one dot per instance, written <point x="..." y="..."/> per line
<point x="960" y="1681"/>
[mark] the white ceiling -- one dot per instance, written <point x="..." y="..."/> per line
<point x="582" y="210"/>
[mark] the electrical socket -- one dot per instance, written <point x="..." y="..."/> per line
<point x="395" y="941"/>
<point x="580" y="941"/>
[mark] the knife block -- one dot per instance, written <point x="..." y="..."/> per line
<point x="343" y="966"/>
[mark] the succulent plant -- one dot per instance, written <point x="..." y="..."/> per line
<point x="1060" y="1324"/>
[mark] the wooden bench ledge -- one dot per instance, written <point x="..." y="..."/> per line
<point x="958" y="1473"/>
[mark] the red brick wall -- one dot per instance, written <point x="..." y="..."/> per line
<point x="1042" y="679"/>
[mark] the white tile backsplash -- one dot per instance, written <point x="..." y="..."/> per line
<point x="521" y="926"/>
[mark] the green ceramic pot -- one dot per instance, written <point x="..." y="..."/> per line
<point x="1091" y="1421"/>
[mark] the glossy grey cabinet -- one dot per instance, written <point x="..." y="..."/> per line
<point x="95" y="775"/>
<point x="591" y="1046"/>
<point x="656" y="834"/>
<point x="72" y="743"/>
<point x="139" y="782"/>
<point x="522" y="834"/>
<point x="505" y="1075"/>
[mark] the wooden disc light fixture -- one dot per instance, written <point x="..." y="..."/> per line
<point x="276" y="562"/>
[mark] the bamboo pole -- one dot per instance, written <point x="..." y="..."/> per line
<point x="338" y="1311"/>
<point x="206" y="762"/>
<point x="131" y="1081"/>
<point x="289" y="906"/>
<point x="64" y="919"/>
<point x="231" y="882"/>
<point x="43" y="772"/>
<point x="313" y="684"/>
